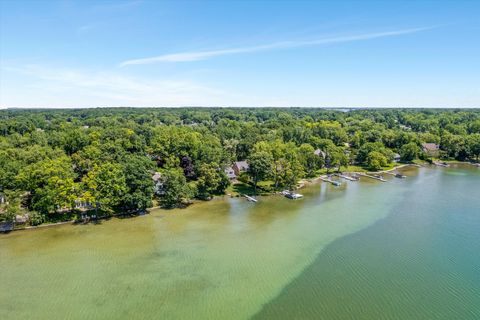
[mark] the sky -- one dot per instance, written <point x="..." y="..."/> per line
<point x="146" y="53"/>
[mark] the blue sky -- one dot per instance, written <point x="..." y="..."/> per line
<point x="240" y="53"/>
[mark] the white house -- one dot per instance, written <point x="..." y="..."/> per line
<point x="230" y="173"/>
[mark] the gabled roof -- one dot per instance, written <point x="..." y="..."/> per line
<point x="430" y="146"/>
<point x="156" y="177"/>
<point x="242" y="165"/>
<point x="230" y="172"/>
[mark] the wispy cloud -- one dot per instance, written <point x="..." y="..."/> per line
<point x="203" y="55"/>
<point x="55" y="87"/>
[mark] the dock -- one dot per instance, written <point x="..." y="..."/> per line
<point x="396" y="175"/>
<point x="379" y="178"/>
<point x="250" y="198"/>
<point x="441" y="164"/>
<point x="347" y="177"/>
<point x="335" y="183"/>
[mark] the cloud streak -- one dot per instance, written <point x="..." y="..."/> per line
<point x="204" y="55"/>
<point x="53" y="87"/>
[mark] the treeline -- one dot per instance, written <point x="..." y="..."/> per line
<point x="53" y="161"/>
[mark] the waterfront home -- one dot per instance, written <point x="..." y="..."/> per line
<point x="21" y="218"/>
<point x="396" y="157"/>
<point x="431" y="149"/>
<point x="83" y="205"/>
<point x="158" y="187"/>
<point x="240" y="166"/>
<point x="230" y="173"/>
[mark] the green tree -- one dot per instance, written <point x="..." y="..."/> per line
<point x="410" y="151"/>
<point x="309" y="160"/>
<point x="139" y="182"/>
<point x="50" y="183"/>
<point x="260" y="164"/>
<point x="211" y="180"/>
<point x="376" y="160"/>
<point x="105" y="186"/>
<point x="474" y="145"/>
<point x="176" y="189"/>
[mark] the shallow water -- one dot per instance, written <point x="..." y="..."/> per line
<point x="362" y="250"/>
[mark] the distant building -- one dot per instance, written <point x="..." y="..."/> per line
<point x="396" y="157"/>
<point x="156" y="176"/>
<point x="158" y="187"/>
<point x="230" y="173"/>
<point x="21" y="218"/>
<point x="240" y="166"/>
<point x="319" y="153"/>
<point x="431" y="149"/>
<point x="81" y="204"/>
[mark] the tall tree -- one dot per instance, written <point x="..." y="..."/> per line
<point x="138" y="178"/>
<point x="105" y="186"/>
<point x="176" y="189"/>
<point x="260" y="164"/>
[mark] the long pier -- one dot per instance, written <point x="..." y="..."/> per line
<point x="441" y="164"/>
<point x="335" y="183"/>
<point x="396" y="174"/>
<point x="372" y="177"/>
<point x="346" y="177"/>
<point x="250" y="198"/>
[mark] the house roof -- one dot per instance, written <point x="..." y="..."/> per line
<point x="242" y="165"/>
<point x="156" y="177"/>
<point x="430" y="146"/>
<point x="230" y="172"/>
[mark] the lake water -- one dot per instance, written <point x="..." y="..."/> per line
<point x="404" y="249"/>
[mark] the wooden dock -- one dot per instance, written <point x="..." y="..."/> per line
<point x="396" y="174"/>
<point x="250" y="198"/>
<point x="441" y="164"/>
<point x="335" y="183"/>
<point x="372" y="177"/>
<point x="346" y="177"/>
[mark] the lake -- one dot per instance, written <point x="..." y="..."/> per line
<point x="403" y="249"/>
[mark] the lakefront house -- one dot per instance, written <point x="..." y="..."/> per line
<point x="240" y="166"/>
<point x="230" y="173"/>
<point x="431" y="149"/>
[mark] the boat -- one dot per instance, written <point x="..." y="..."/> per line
<point x="336" y="183"/>
<point x="399" y="175"/>
<point x="294" y="196"/>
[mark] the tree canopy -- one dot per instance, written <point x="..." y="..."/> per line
<point x="50" y="160"/>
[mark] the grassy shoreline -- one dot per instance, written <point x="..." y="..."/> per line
<point x="239" y="191"/>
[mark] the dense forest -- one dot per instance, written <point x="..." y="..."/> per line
<point x="57" y="164"/>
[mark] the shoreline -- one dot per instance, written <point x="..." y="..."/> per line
<point x="301" y="184"/>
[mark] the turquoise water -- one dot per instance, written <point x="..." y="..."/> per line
<point x="421" y="262"/>
<point x="405" y="249"/>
